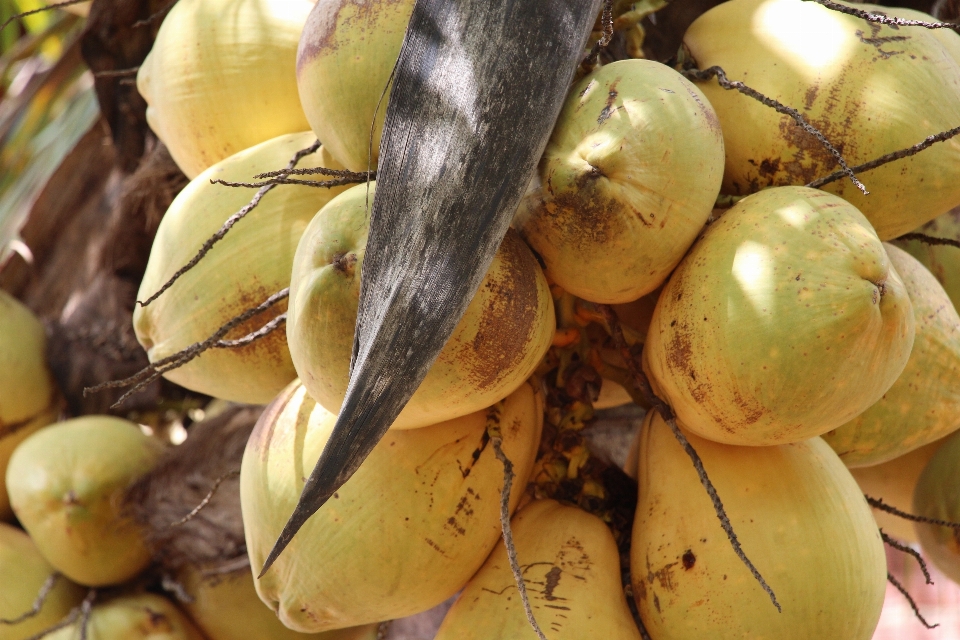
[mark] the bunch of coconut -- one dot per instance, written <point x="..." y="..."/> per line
<point x="790" y="342"/>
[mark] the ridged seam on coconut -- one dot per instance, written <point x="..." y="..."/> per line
<point x="628" y="180"/>
<point x="221" y="78"/>
<point x="24" y="572"/>
<point x="784" y="321"/>
<point x="252" y="262"/>
<point x="800" y="518"/>
<point x="571" y="568"/>
<point x="145" y="616"/>
<point x="345" y="57"/>
<point x="871" y="89"/>
<point x="26" y="386"/>
<point x="937" y="495"/>
<point x="942" y="261"/>
<point x="405" y="533"/>
<point x="923" y="405"/>
<point x="65" y="483"/>
<point x="498" y="343"/>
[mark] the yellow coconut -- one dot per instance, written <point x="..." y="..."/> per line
<point x="226" y="607"/>
<point x="923" y="405"/>
<point x="498" y="343"/>
<point x="220" y="78"/>
<point x="937" y="495"/>
<point x="870" y="89"/>
<point x="571" y="568"/>
<point x="942" y="261"/>
<point x="405" y="533"/>
<point x="801" y="520"/>
<point x="141" y="617"/>
<point x="26" y="387"/>
<point x="24" y="572"/>
<point x="65" y="484"/>
<point x="629" y="178"/>
<point x="251" y="263"/>
<point x="346" y="55"/>
<point x="894" y="482"/>
<point x="784" y="321"/>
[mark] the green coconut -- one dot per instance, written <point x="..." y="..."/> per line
<point x="571" y="568"/>
<point x="894" y="482"/>
<point x="344" y="62"/>
<point x="498" y="343"/>
<point x="942" y="261"/>
<point x="220" y="78"/>
<point x="801" y="520"/>
<point x="141" y="617"/>
<point x="66" y="483"/>
<point x="871" y="89"/>
<point x="784" y="321"/>
<point x="923" y="405"/>
<point x="251" y="263"/>
<point x="407" y="530"/>
<point x="937" y="496"/>
<point x="24" y="572"/>
<point x="629" y="178"/>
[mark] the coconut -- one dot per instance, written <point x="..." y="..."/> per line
<point x="923" y="405"/>
<point x="498" y="343"/>
<point x="65" y="483"/>
<point x="26" y="386"/>
<point x="862" y="84"/>
<point x="785" y="320"/>
<point x="894" y="482"/>
<point x="942" y="261"/>
<point x="24" y="572"/>
<point x="404" y="533"/>
<point x="10" y="442"/>
<point x="629" y="178"/>
<point x="801" y="519"/>
<point x="146" y="616"/>
<point x="937" y="496"/>
<point x="571" y="567"/>
<point x="220" y="78"/>
<point x="344" y="63"/>
<point x="251" y="263"/>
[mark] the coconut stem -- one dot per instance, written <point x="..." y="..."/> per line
<point x="82" y="612"/>
<point x="24" y="14"/>
<point x="117" y="73"/>
<point x="45" y="590"/>
<point x="899" y="546"/>
<point x="643" y="384"/>
<point x="606" y="19"/>
<point x="206" y="499"/>
<point x="85" y="607"/>
<point x="153" y="371"/>
<point x="323" y="184"/>
<point x="882" y="18"/>
<point x="361" y="176"/>
<point x="232" y="220"/>
<point x="171" y="585"/>
<point x="877" y="503"/>
<point x="726" y="83"/>
<point x="154" y="16"/>
<point x="913" y="604"/>
<point x="924" y="238"/>
<point x="929" y="141"/>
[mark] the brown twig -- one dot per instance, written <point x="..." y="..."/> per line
<point x="606" y="20"/>
<point x="882" y="18"/>
<point x="66" y="622"/>
<point x="890" y="157"/>
<point x="899" y="546"/>
<point x="85" y="608"/>
<point x="642" y="383"/>
<point x="322" y="184"/>
<point x="913" y="604"/>
<point x="924" y="238"/>
<point x="117" y="73"/>
<point x="361" y="176"/>
<point x="877" y="503"/>
<point x="82" y="611"/>
<point x="265" y="330"/>
<point x="154" y="16"/>
<point x="45" y="590"/>
<point x="171" y="585"/>
<point x="206" y="499"/>
<point x="232" y="220"/>
<point x="723" y="81"/>
<point x="48" y="7"/>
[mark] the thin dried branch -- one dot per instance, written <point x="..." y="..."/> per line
<point x="117" y="73"/>
<point x="82" y="611"/>
<point x="726" y="83"/>
<point x="606" y="19"/>
<point x="314" y="171"/>
<point x="643" y="384"/>
<point x="877" y="503"/>
<point x="882" y="18"/>
<point x="322" y="184"/>
<point x="899" y="546"/>
<point x="207" y="498"/>
<point x="146" y="22"/>
<point x="890" y="157"/>
<point x="85" y="608"/>
<point x="231" y="221"/>
<point x="913" y="604"/>
<point x="924" y="238"/>
<point x="265" y="330"/>
<point x="66" y="622"/>
<point x="237" y="564"/>
<point x="49" y="7"/>
<point x="171" y="585"/>
<point x="45" y="590"/>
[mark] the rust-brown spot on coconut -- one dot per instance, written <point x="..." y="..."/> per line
<point x="330" y="16"/>
<point x="271" y="347"/>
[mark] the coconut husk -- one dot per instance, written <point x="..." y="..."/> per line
<point x="213" y="538"/>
